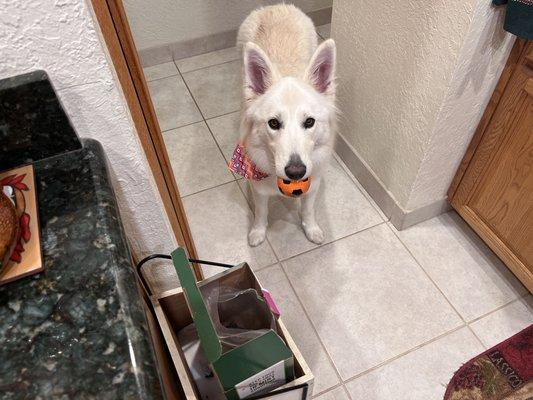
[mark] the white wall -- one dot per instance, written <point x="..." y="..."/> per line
<point x="159" y="22"/>
<point x="60" y="38"/>
<point x="414" y="80"/>
<point x="483" y="55"/>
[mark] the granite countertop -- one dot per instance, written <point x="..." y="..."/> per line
<point x="78" y="329"/>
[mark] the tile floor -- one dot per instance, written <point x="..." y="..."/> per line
<point x="377" y="313"/>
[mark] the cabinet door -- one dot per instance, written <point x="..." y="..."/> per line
<point x="495" y="192"/>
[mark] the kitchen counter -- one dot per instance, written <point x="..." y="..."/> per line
<point x="78" y="329"/>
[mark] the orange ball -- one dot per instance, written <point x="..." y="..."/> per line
<point x="294" y="188"/>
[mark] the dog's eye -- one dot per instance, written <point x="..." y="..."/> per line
<point x="274" y="124"/>
<point x="309" y="122"/>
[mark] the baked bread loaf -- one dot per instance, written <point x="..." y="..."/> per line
<point x="9" y="229"/>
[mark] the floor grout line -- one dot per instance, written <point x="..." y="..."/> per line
<point x="396" y="357"/>
<point x="467" y="323"/>
<point x="448" y="300"/>
<point x="265" y="267"/>
<point x="203" y="116"/>
<point x="197" y="122"/>
<point x="192" y="95"/>
<point x="222" y="115"/>
<point x="207" y="66"/>
<point x="476" y="336"/>
<point x="218" y="144"/>
<point x="182" y="126"/>
<point x="333" y="241"/>
<point x="427" y="274"/>
<point x="338" y="385"/>
<point x="330" y="358"/>
<point x="160" y="78"/>
<point x="209" y="188"/>
<point x="347" y="391"/>
<point x="206" y="124"/>
<point x="360" y="187"/>
<point x="496" y="309"/>
<point x="464" y="323"/>
<point x="324" y="347"/>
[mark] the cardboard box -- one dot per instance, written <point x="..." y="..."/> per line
<point x="243" y="370"/>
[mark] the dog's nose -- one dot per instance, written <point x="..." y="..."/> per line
<point x="295" y="169"/>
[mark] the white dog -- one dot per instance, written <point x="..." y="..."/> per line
<point x="289" y="110"/>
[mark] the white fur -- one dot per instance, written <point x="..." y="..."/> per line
<point x="285" y="76"/>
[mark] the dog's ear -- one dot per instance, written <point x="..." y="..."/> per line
<point x="258" y="71"/>
<point x="321" y="70"/>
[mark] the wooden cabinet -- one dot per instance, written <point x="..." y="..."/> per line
<point x="493" y="188"/>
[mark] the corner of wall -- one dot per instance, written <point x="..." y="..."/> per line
<point x="480" y="63"/>
<point x="480" y="59"/>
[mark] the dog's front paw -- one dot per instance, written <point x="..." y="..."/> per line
<point x="256" y="236"/>
<point x="314" y="233"/>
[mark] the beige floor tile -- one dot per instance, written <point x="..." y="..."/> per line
<point x="324" y="31"/>
<point x="463" y="267"/>
<point x="207" y="59"/>
<point x="420" y="375"/>
<point x="173" y="104"/>
<point x="335" y="394"/>
<point x="217" y="89"/>
<point x="341" y="210"/>
<point x="361" y="188"/>
<point x="160" y="71"/>
<point x="226" y="132"/>
<point x="219" y="219"/>
<point x="368" y="299"/>
<point x="196" y="159"/>
<point x="273" y="279"/>
<point x="504" y="323"/>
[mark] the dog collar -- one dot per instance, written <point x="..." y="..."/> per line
<point x="243" y="165"/>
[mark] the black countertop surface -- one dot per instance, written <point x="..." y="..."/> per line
<point x="78" y="329"/>
<point x="33" y="124"/>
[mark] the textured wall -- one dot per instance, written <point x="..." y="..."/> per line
<point x="396" y="60"/>
<point x="159" y="22"/>
<point x="60" y="37"/>
<point x="476" y="74"/>
<point x="415" y="78"/>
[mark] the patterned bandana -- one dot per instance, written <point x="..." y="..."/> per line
<point x="243" y="165"/>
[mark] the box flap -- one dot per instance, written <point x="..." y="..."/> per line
<point x="200" y="315"/>
<point x="251" y="358"/>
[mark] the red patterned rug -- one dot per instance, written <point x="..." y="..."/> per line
<point x="504" y="372"/>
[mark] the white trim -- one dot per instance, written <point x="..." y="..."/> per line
<point x="399" y="217"/>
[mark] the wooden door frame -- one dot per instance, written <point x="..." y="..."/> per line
<point x="514" y="57"/>
<point x="111" y="18"/>
<point x="464" y="183"/>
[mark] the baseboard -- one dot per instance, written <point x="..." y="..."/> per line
<point x="321" y="17"/>
<point x="402" y="219"/>
<point x="398" y="216"/>
<point x="187" y="48"/>
<point x="193" y="47"/>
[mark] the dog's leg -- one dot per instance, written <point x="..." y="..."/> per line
<point x="258" y="232"/>
<point x="312" y="230"/>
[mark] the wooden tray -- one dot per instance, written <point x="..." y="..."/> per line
<point x="27" y="258"/>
